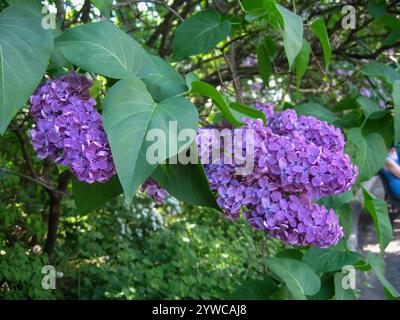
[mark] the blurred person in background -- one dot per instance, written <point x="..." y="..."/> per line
<point x="391" y="171"/>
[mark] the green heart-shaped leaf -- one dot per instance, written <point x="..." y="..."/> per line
<point x="129" y="112"/>
<point x="25" y="50"/>
<point x="103" y="48"/>
<point x="299" y="278"/>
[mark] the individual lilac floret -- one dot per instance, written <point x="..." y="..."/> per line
<point x="69" y="130"/>
<point x="365" y="92"/>
<point x="382" y="104"/>
<point x="151" y="187"/>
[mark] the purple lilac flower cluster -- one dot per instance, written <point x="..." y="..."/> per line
<point x="152" y="189"/>
<point x="69" y="130"/>
<point x="296" y="160"/>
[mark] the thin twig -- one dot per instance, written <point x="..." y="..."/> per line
<point x="234" y="77"/>
<point x="25" y="153"/>
<point x="375" y="89"/>
<point x="26" y="177"/>
<point x="218" y="71"/>
<point x="163" y="3"/>
<point x="321" y="68"/>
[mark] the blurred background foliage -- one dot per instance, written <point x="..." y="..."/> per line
<point x="143" y="252"/>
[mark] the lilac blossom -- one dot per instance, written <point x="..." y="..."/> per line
<point x="297" y="160"/>
<point x="295" y="220"/>
<point x="69" y="130"/>
<point x="319" y="132"/>
<point x="249" y="61"/>
<point x="365" y="92"/>
<point x="256" y="86"/>
<point x="152" y="189"/>
<point x="343" y="72"/>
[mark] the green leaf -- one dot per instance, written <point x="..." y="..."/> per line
<point x="104" y="6"/>
<point x="396" y="101"/>
<point x="383" y="126"/>
<point x="316" y="110"/>
<point x="329" y="260"/>
<point x="61" y="169"/>
<point x="57" y="58"/>
<point x="264" y="64"/>
<point x="336" y="201"/>
<point x="200" y="33"/>
<point x="254" y="289"/>
<point x="376" y="8"/>
<point x="90" y="196"/>
<point x="340" y="292"/>
<point x="345" y="214"/>
<point x="162" y="80"/>
<point x="299" y="278"/>
<point x="389" y="21"/>
<point x="33" y="4"/>
<point x="270" y="47"/>
<point x="378" y="265"/>
<point x="346" y="103"/>
<point x="370" y="108"/>
<point x="103" y="48"/>
<point x="95" y="89"/>
<point x="368" y="152"/>
<point x="191" y="77"/>
<point x="318" y="27"/>
<point x="351" y="119"/>
<point x="129" y="112"/>
<point x="255" y="9"/>
<point x="247" y="111"/>
<point x="205" y="89"/>
<point x="327" y="290"/>
<point x="186" y="182"/>
<point x="392" y="37"/>
<point x="291" y="254"/>
<point x="379" y="213"/>
<point x="25" y="50"/>
<point x="292" y="33"/>
<point x="382" y="71"/>
<point x="282" y="293"/>
<point x="362" y="265"/>
<point x="266" y="53"/>
<point x="302" y="62"/>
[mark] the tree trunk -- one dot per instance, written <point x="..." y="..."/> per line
<point x="54" y="217"/>
<point x="55" y="211"/>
